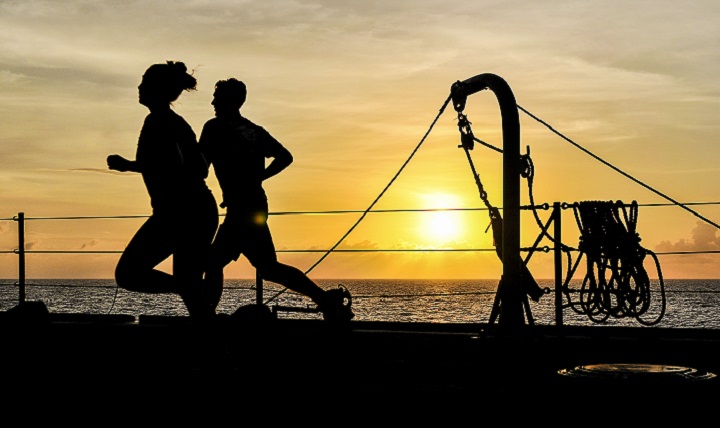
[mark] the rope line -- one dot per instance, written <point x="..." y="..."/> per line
<point x="333" y="212"/>
<point x="372" y="250"/>
<point x="681" y="205"/>
<point x="352" y="250"/>
<point x="253" y="288"/>
<point x="397" y="174"/>
<point x="369" y="208"/>
<point x="611" y="245"/>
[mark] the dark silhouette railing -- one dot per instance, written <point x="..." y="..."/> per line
<point x="23" y="252"/>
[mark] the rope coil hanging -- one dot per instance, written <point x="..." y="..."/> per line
<point x="616" y="283"/>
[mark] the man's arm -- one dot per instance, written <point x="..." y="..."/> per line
<point x="282" y="158"/>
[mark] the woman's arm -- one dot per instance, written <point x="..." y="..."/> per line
<point x="119" y="163"/>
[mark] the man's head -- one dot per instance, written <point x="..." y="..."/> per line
<point x="229" y="96"/>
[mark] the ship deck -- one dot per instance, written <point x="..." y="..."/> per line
<point x="259" y="356"/>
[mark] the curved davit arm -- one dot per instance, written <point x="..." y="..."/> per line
<point x="510" y="290"/>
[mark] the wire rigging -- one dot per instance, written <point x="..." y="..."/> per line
<point x="559" y="134"/>
<point x="397" y="174"/>
<point x="611" y="246"/>
<point x="369" y="208"/>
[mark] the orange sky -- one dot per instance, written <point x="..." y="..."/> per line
<point x="351" y="88"/>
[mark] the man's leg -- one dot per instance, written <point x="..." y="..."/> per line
<point x="335" y="304"/>
<point x="292" y="278"/>
<point x="260" y="252"/>
<point x="224" y="249"/>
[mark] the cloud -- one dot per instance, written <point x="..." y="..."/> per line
<point x="703" y="238"/>
<point x="97" y="170"/>
<point x="691" y="265"/>
<point x="9" y="78"/>
<point x="363" y="245"/>
<point x="90" y="244"/>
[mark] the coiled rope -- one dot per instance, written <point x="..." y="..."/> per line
<point x="616" y="283"/>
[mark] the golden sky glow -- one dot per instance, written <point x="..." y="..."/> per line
<point x="351" y="87"/>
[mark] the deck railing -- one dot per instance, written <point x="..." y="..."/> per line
<point x="22" y="252"/>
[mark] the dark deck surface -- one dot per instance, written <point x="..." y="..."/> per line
<point x="382" y="365"/>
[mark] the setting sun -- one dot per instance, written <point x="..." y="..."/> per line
<point x="440" y="226"/>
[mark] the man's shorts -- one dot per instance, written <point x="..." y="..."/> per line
<point x="245" y="232"/>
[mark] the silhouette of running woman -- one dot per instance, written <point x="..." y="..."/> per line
<point x="237" y="149"/>
<point x="184" y="211"/>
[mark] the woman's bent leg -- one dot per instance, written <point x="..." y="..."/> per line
<point x="136" y="271"/>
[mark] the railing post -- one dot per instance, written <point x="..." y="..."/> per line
<point x="259" y="288"/>
<point x="557" y="220"/>
<point x="21" y="256"/>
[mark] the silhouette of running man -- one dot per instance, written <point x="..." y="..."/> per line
<point x="237" y="149"/>
<point x="184" y="211"/>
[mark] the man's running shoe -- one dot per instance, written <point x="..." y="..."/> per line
<point x="338" y="305"/>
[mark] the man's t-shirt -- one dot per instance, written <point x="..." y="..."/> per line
<point x="237" y="149"/>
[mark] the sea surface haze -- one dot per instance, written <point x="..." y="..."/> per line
<point x="688" y="303"/>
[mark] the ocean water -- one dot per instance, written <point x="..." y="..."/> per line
<point x="689" y="303"/>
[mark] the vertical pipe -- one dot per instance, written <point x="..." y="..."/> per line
<point x="510" y="289"/>
<point x="557" y="219"/>
<point x="21" y="257"/>
<point x="513" y="295"/>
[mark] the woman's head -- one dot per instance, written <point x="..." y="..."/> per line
<point x="163" y="83"/>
